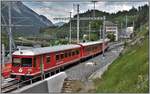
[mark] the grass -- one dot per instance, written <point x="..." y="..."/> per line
<point x="128" y="73"/>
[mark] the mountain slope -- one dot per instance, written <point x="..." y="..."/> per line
<point x="59" y="24"/>
<point x="22" y="15"/>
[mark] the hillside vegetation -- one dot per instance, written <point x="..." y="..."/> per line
<point x="129" y="72"/>
<point x="139" y="16"/>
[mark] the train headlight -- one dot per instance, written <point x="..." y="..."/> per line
<point x="29" y="71"/>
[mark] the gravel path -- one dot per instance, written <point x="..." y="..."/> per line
<point x="83" y="70"/>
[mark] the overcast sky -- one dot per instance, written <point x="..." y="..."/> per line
<point x="61" y="9"/>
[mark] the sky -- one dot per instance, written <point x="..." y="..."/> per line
<point x="53" y="10"/>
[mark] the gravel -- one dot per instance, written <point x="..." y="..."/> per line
<point x="84" y="70"/>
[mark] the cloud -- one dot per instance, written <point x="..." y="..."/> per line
<point x="62" y="9"/>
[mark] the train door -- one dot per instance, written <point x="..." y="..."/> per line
<point x="41" y="64"/>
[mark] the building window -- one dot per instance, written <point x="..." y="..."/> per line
<point x="48" y="59"/>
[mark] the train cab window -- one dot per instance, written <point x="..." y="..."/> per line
<point x="34" y="63"/>
<point x="62" y="56"/>
<point x="26" y="62"/>
<point x="48" y="59"/>
<point x="16" y="62"/>
<point x="57" y="57"/>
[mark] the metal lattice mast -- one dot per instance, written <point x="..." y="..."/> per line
<point x="103" y="34"/>
<point x="70" y="28"/>
<point x="89" y="31"/>
<point x="78" y="24"/>
<point x="3" y="55"/>
<point x="10" y="32"/>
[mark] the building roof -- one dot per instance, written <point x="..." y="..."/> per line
<point x="95" y="42"/>
<point x="44" y="50"/>
<point x="108" y="23"/>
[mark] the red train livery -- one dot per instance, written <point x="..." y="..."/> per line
<point x="32" y="62"/>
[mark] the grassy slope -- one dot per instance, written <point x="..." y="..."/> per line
<point x="128" y="73"/>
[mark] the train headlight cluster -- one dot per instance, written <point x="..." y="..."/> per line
<point x="29" y="71"/>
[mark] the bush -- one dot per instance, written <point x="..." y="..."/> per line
<point x="111" y="36"/>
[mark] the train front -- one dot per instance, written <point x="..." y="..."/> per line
<point x="22" y="65"/>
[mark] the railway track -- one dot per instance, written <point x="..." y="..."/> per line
<point x="9" y="86"/>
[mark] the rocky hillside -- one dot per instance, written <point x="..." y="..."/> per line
<point x="22" y="15"/>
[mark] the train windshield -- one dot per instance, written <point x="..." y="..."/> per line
<point x="16" y="62"/>
<point x="23" y="62"/>
<point x="26" y="62"/>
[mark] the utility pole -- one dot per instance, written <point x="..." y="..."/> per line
<point x="3" y="55"/>
<point x="89" y="31"/>
<point x="10" y="33"/>
<point x="70" y="28"/>
<point x="121" y="30"/>
<point x="94" y="1"/>
<point x="126" y="23"/>
<point x="100" y="32"/>
<point x="78" y="24"/>
<point x="103" y="34"/>
<point x="133" y="21"/>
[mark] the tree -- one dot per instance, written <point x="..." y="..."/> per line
<point x="111" y="36"/>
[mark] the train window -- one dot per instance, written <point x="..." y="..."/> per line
<point x="62" y="56"/>
<point x="26" y="62"/>
<point x="86" y="49"/>
<point x="66" y="54"/>
<point x="77" y="52"/>
<point x="57" y="57"/>
<point x="73" y="53"/>
<point x="69" y="53"/>
<point x="34" y="64"/>
<point x="48" y="59"/>
<point x="16" y="62"/>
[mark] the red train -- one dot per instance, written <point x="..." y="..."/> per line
<point x="32" y="62"/>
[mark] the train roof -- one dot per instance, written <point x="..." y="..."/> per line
<point x="94" y="42"/>
<point x="44" y="50"/>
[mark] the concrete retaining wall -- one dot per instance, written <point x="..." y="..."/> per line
<point x="51" y="84"/>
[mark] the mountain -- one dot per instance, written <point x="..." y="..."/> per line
<point x="59" y="24"/>
<point x="30" y="22"/>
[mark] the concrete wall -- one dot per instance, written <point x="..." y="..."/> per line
<point x="51" y="84"/>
